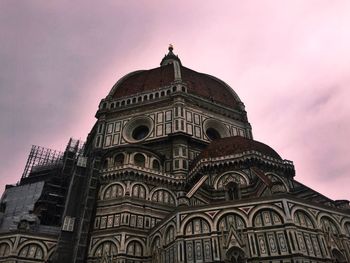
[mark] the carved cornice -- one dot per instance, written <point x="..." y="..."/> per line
<point x="240" y="158"/>
<point x="147" y="174"/>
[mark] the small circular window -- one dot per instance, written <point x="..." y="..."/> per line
<point x="212" y="134"/>
<point x="138" y="129"/>
<point x="140" y="132"/>
<point x="215" y="129"/>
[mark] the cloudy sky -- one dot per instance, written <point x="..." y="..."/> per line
<point x="289" y="61"/>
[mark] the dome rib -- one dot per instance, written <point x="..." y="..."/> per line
<point x="209" y="87"/>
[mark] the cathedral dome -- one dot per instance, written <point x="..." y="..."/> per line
<point x="172" y="72"/>
<point x="235" y="145"/>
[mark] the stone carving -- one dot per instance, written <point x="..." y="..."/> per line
<point x="230" y="177"/>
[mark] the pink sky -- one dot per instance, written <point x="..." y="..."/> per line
<point x="289" y="61"/>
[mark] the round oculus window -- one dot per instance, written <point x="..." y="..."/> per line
<point x="140" y="132"/>
<point x="215" y="129"/>
<point x="212" y="134"/>
<point x="138" y="129"/>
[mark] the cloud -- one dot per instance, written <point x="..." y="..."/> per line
<point x="288" y="61"/>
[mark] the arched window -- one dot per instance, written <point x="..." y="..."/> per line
<point x="151" y="96"/>
<point x="267" y="218"/>
<point x="138" y="190"/>
<point x="278" y="185"/>
<point x="169" y="235"/>
<point x="107" y="248"/>
<point x="119" y="159"/>
<point x="197" y="226"/>
<point x="163" y="196"/>
<point x="156" y="242"/>
<point x="32" y="251"/>
<point x="134" y="249"/>
<point x="156" y="165"/>
<point x="139" y="160"/>
<point x="156" y="250"/>
<point x="4" y="250"/>
<point x="303" y="220"/>
<point x="226" y="178"/>
<point x="329" y="225"/>
<point x="105" y="164"/>
<point x="113" y="191"/>
<point x="231" y="219"/>
<point x="232" y="191"/>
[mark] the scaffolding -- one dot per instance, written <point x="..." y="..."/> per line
<point x="76" y="146"/>
<point x="41" y="157"/>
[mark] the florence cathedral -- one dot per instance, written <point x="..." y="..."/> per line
<point x="169" y="173"/>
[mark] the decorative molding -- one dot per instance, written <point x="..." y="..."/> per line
<point x="212" y="214"/>
<point x="246" y="209"/>
<point x="279" y="204"/>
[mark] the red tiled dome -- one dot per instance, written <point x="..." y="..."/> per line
<point x="198" y="84"/>
<point x="234" y="145"/>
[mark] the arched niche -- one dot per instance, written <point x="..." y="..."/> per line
<point x="222" y="180"/>
<point x="266" y="217"/>
<point x="278" y="184"/>
<point x="134" y="248"/>
<point x="139" y="190"/>
<point x="163" y="196"/>
<point x="169" y="235"/>
<point x="196" y="226"/>
<point x="329" y="225"/>
<point x="301" y="218"/>
<point x="155" y="165"/>
<point x="31" y="251"/>
<point x="140" y="160"/>
<point x="113" y="191"/>
<point x="233" y="219"/>
<point x="119" y="159"/>
<point x="105" y="248"/>
<point x="156" y="241"/>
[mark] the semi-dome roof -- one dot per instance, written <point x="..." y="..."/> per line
<point x="235" y="145"/>
<point x="171" y="71"/>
